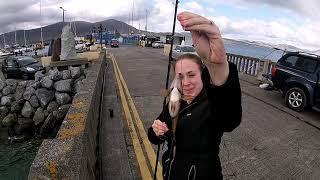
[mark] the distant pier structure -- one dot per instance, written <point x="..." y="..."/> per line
<point x="106" y="37"/>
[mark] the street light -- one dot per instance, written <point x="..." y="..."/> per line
<point x="63" y="10"/>
<point x="100" y="28"/>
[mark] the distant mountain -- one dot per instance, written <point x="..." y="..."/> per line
<point x="316" y="52"/>
<point x="288" y="47"/>
<point x="82" y="28"/>
<point x="54" y="30"/>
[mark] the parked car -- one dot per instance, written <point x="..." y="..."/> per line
<point x="179" y="50"/>
<point x="80" y="47"/>
<point x="297" y="75"/>
<point x="20" y="66"/>
<point x="157" y="44"/>
<point x="114" y="43"/>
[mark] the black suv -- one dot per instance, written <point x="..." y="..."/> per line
<point x="297" y="75"/>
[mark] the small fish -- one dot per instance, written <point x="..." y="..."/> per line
<point x="175" y="97"/>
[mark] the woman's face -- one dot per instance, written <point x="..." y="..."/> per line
<point x="190" y="75"/>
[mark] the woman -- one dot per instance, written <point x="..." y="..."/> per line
<point x="212" y="106"/>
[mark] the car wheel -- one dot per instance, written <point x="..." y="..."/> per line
<point x="296" y="99"/>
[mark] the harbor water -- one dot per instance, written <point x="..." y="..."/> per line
<point x="16" y="158"/>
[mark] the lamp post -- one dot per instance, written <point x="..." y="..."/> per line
<point x="63" y="10"/>
<point x="100" y="28"/>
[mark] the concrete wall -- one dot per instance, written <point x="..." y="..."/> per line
<point x="72" y="154"/>
<point x="90" y="55"/>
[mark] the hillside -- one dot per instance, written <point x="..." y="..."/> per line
<point x="54" y="31"/>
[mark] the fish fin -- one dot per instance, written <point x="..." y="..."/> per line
<point x="184" y="98"/>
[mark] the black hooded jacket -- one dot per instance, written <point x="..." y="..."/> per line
<point x="201" y="124"/>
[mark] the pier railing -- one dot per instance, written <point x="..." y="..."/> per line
<point x="245" y="64"/>
<point x="250" y="65"/>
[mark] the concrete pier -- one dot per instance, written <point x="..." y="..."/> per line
<point x="272" y="142"/>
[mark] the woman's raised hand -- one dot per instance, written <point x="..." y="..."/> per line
<point x="208" y="43"/>
<point x="206" y="36"/>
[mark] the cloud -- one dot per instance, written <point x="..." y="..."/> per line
<point x="22" y="14"/>
<point x="13" y="13"/>
<point x="273" y="32"/>
<point x="307" y="9"/>
<point x="163" y="12"/>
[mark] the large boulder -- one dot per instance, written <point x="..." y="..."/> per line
<point x="38" y="76"/>
<point x="75" y="72"/>
<point x="68" y="50"/>
<point x="28" y="93"/>
<point x="6" y="100"/>
<point x="8" y="90"/>
<point x="2" y="84"/>
<point x="4" y="110"/>
<point x="61" y="112"/>
<point x="30" y="82"/>
<point x="27" y="110"/>
<point x="16" y="106"/>
<point x="44" y="96"/>
<point x="22" y="84"/>
<point x="19" y="93"/>
<point x="63" y="85"/>
<point x="34" y="84"/>
<point x="66" y="74"/>
<point x="54" y="74"/>
<point x="12" y="82"/>
<point x="38" y="116"/>
<point x="77" y="86"/>
<point x="52" y="106"/>
<point x="46" y="113"/>
<point x="10" y="120"/>
<point x="34" y="101"/>
<point x="62" y="98"/>
<point x="48" y="125"/>
<point x="46" y="82"/>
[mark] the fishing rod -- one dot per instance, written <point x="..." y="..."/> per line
<point x="167" y="79"/>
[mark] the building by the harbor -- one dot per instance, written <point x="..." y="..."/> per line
<point x="106" y="37"/>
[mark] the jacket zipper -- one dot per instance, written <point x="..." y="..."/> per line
<point x="189" y="105"/>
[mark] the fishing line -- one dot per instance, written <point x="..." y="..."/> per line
<point x="167" y="81"/>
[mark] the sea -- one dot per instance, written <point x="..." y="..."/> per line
<point x="16" y="158"/>
<point x="252" y="50"/>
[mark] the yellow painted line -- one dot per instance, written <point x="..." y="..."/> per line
<point x="150" y="152"/>
<point x="144" y="170"/>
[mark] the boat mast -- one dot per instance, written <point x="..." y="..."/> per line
<point x="24" y="35"/>
<point x="146" y="27"/>
<point x="15" y="35"/>
<point x="41" y="26"/>
<point x="75" y="28"/>
<point x="4" y="41"/>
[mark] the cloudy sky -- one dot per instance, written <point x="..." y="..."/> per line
<point x="293" y="22"/>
